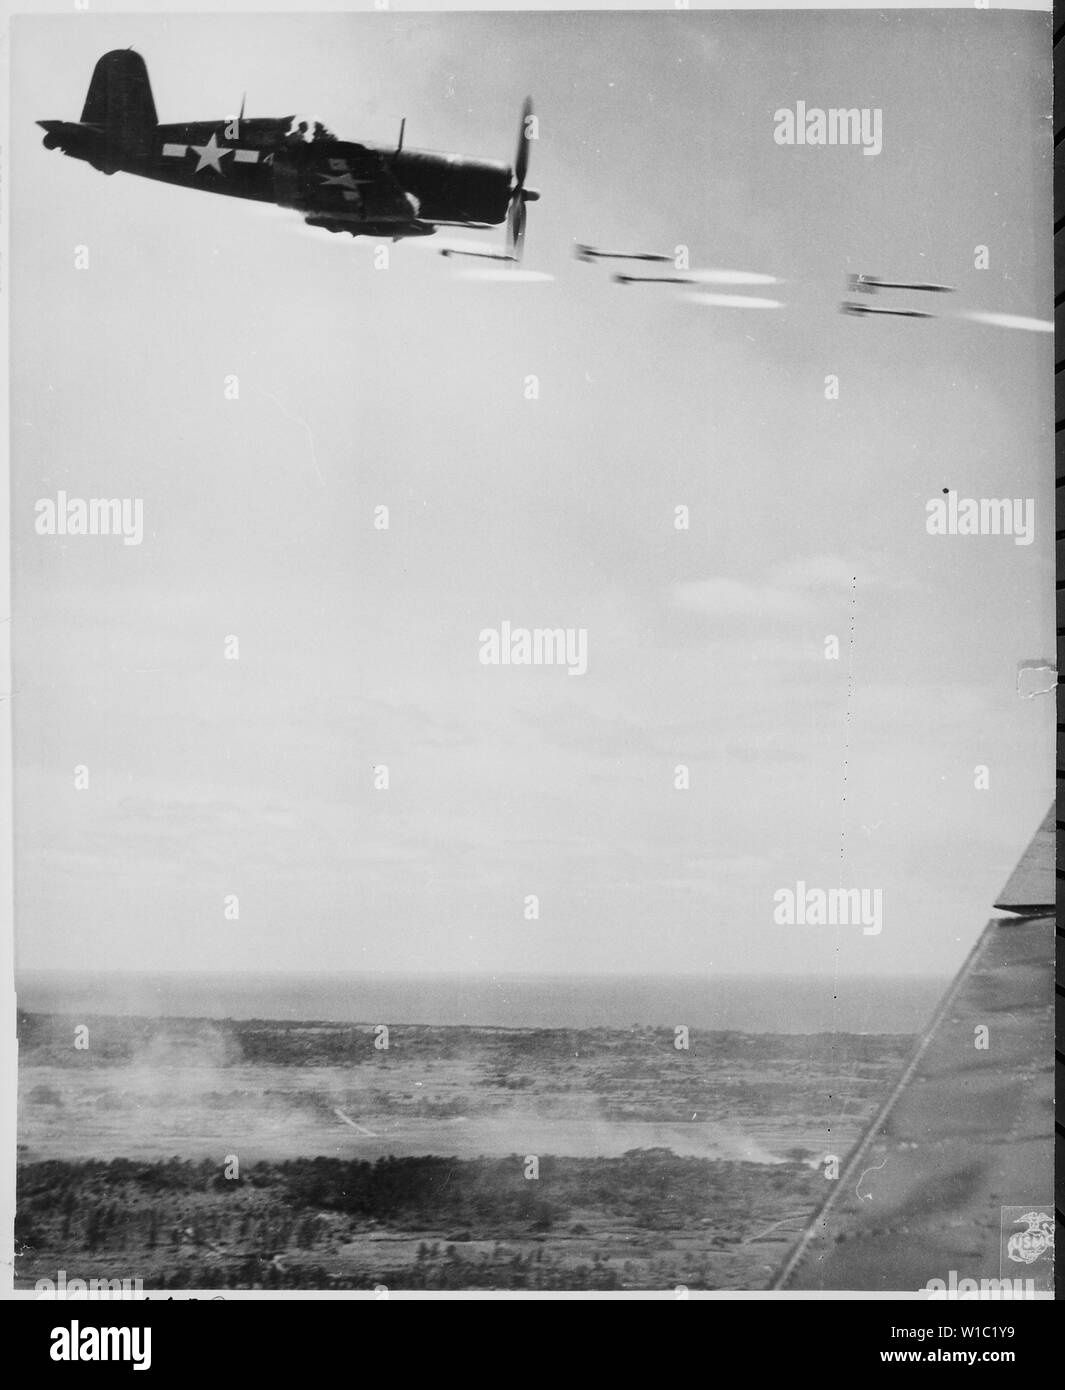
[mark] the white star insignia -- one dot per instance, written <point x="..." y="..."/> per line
<point x="342" y="180"/>
<point x="210" y="155"/>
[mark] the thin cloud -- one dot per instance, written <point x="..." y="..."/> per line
<point x="731" y="598"/>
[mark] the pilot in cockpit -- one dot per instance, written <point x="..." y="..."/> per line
<point x="306" y="130"/>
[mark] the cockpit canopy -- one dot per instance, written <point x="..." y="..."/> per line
<point x="308" y="130"/>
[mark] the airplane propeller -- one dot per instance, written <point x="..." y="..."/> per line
<point x="519" y="194"/>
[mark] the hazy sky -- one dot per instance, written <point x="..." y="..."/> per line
<point x="404" y="387"/>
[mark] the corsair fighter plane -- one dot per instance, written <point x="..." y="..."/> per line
<point x="295" y="162"/>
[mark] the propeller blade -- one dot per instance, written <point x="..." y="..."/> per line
<point x="521" y="158"/>
<point x="518" y="226"/>
<point x="518" y="195"/>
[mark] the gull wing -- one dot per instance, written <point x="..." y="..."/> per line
<point x="348" y="185"/>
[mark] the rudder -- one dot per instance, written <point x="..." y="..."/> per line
<point x="120" y="95"/>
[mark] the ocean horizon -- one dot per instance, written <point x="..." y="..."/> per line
<point x="738" y="1003"/>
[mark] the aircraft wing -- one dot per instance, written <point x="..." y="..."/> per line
<point x="961" y="1156"/>
<point x="348" y="185"/>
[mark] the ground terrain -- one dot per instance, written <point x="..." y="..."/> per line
<point x="206" y="1154"/>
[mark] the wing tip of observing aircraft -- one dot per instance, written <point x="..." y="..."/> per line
<point x="961" y="1153"/>
<point x="1031" y="889"/>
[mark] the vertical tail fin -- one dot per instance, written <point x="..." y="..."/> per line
<point x="120" y="96"/>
